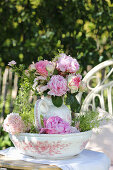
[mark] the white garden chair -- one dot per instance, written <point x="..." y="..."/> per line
<point x="103" y="76"/>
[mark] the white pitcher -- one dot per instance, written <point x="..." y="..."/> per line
<point x="46" y="108"/>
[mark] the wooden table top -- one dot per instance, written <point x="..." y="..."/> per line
<point x="6" y="162"/>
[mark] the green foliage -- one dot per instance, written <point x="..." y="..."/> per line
<point x="4" y="139"/>
<point x="73" y="102"/>
<point x="36" y="29"/>
<point x="57" y="101"/>
<point x="88" y="121"/>
<point x="42" y="120"/>
<point x="22" y="103"/>
<point x="33" y="129"/>
<point x="18" y="70"/>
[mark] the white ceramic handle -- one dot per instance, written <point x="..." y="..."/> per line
<point x="40" y="108"/>
<point x="43" y="107"/>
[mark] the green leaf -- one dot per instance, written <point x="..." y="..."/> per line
<point x="73" y="102"/>
<point x="57" y="101"/>
<point x="55" y="72"/>
<point x="45" y="93"/>
<point x="42" y="120"/>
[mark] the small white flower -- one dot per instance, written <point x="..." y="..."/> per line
<point x="41" y="89"/>
<point x="11" y="63"/>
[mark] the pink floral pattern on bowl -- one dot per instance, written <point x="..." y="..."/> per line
<point x="41" y="147"/>
<point x="51" y="146"/>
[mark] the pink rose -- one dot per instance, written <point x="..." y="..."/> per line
<point x="32" y="67"/>
<point x="57" y="85"/>
<point x="74" y="82"/>
<point x="41" y="67"/>
<point x="50" y="67"/>
<point x="67" y="64"/>
<point x="55" y="125"/>
<point x="13" y="124"/>
<point x="11" y="63"/>
<point x="82" y="86"/>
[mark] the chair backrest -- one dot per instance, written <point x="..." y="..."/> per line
<point x="100" y="93"/>
<point x="102" y="77"/>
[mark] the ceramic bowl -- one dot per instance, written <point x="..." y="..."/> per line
<point x="51" y="146"/>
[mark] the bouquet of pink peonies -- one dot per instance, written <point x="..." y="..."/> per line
<point x="59" y="79"/>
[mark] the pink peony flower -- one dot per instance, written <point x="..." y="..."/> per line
<point x="74" y="82"/>
<point x="13" y="124"/>
<point x="41" y="67"/>
<point x="55" y="125"/>
<point x="57" y="85"/>
<point x="11" y="63"/>
<point x="67" y="64"/>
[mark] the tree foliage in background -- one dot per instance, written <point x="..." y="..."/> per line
<point x="35" y="29"/>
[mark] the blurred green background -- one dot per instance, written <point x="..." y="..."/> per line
<point x="31" y="30"/>
<point x="38" y="28"/>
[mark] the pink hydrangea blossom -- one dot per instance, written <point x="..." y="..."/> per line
<point x="41" y="67"/>
<point x="57" y="85"/>
<point x="55" y="125"/>
<point x="13" y="124"/>
<point x="67" y="64"/>
<point x="11" y="63"/>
